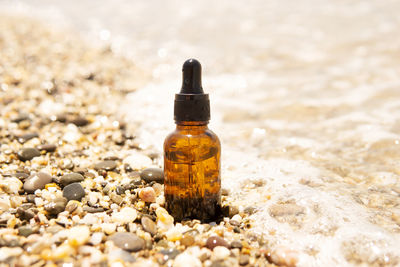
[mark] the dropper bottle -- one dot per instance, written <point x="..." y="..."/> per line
<point x="192" y="153"/>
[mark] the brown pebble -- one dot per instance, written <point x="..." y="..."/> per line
<point x="187" y="240"/>
<point x="215" y="241"/>
<point x="80" y="121"/>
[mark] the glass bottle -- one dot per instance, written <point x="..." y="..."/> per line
<point x="192" y="154"/>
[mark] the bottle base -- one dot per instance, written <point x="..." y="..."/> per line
<point x="205" y="209"/>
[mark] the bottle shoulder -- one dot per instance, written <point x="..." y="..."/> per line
<point x="192" y="138"/>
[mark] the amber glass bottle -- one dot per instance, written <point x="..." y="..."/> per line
<point x="192" y="154"/>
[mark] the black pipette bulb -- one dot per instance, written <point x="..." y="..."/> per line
<point x="191" y="104"/>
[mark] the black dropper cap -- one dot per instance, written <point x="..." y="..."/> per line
<point x="191" y="104"/>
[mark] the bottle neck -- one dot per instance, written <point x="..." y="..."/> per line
<point x="194" y="125"/>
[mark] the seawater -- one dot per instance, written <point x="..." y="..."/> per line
<point x="305" y="97"/>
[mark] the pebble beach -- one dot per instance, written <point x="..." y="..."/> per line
<point x="304" y="98"/>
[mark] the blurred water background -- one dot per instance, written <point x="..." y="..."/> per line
<point x="305" y="96"/>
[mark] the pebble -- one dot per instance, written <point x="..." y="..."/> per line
<point x="56" y="206"/>
<point x="92" y="209"/>
<point x="116" y="198"/>
<point x="173" y="234"/>
<point x="78" y="235"/>
<point x="233" y="210"/>
<point x="6" y="252"/>
<point x="25" y="230"/>
<point x="96" y="238"/>
<point x="170" y="253"/>
<point x="187" y="240"/>
<point x="36" y="181"/>
<point x="148" y="194"/>
<point x="26" y="137"/>
<point x="47" y="147"/>
<point x="125" y="215"/>
<point x="244" y="259"/>
<point x="70" y="178"/>
<point x="138" y="161"/>
<point x="185" y="260"/>
<point x="118" y="255"/>
<point x="21" y="175"/>
<point x="221" y="253"/>
<point x="127" y="241"/>
<point x="215" y="241"/>
<point x="284" y="256"/>
<point x="237" y="218"/>
<point x="79" y="121"/>
<point x="152" y="175"/>
<point x="109" y="228"/>
<point x="28" y="153"/>
<point x="107" y="165"/>
<point x="149" y="225"/>
<point x="74" y="191"/>
<point x="164" y="220"/>
<point x="236" y="244"/>
<point x="10" y="185"/>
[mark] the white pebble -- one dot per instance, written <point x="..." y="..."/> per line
<point x="78" y="235"/>
<point x="173" y="234"/>
<point x="185" y="260"/>
<point x="10" y="185"/>
<point x="109" y="228"/>
<point x="220" y="253"/>
<point x="126" y="215"/>
<point x="6" y="252"/>
<point x="138" y="161"/>
<point x="96" y="238"/>
<point x="237" y="218"/>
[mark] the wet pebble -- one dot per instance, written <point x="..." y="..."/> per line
<point x="74" y="191"/>
<point x="26" y="137"/>
<point x="149" y="225"/>
<point x="215" y="241"/>
<point x="152" y="175"/>
<point x="28" y="153"/>
<point x="107" y="165"/>
<point x="56" y="206"/>
<point x="37" y="181"/>
<point x="127" y="241"/>
<point x="47" y="147"/>
<point x="70" y="178"/>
